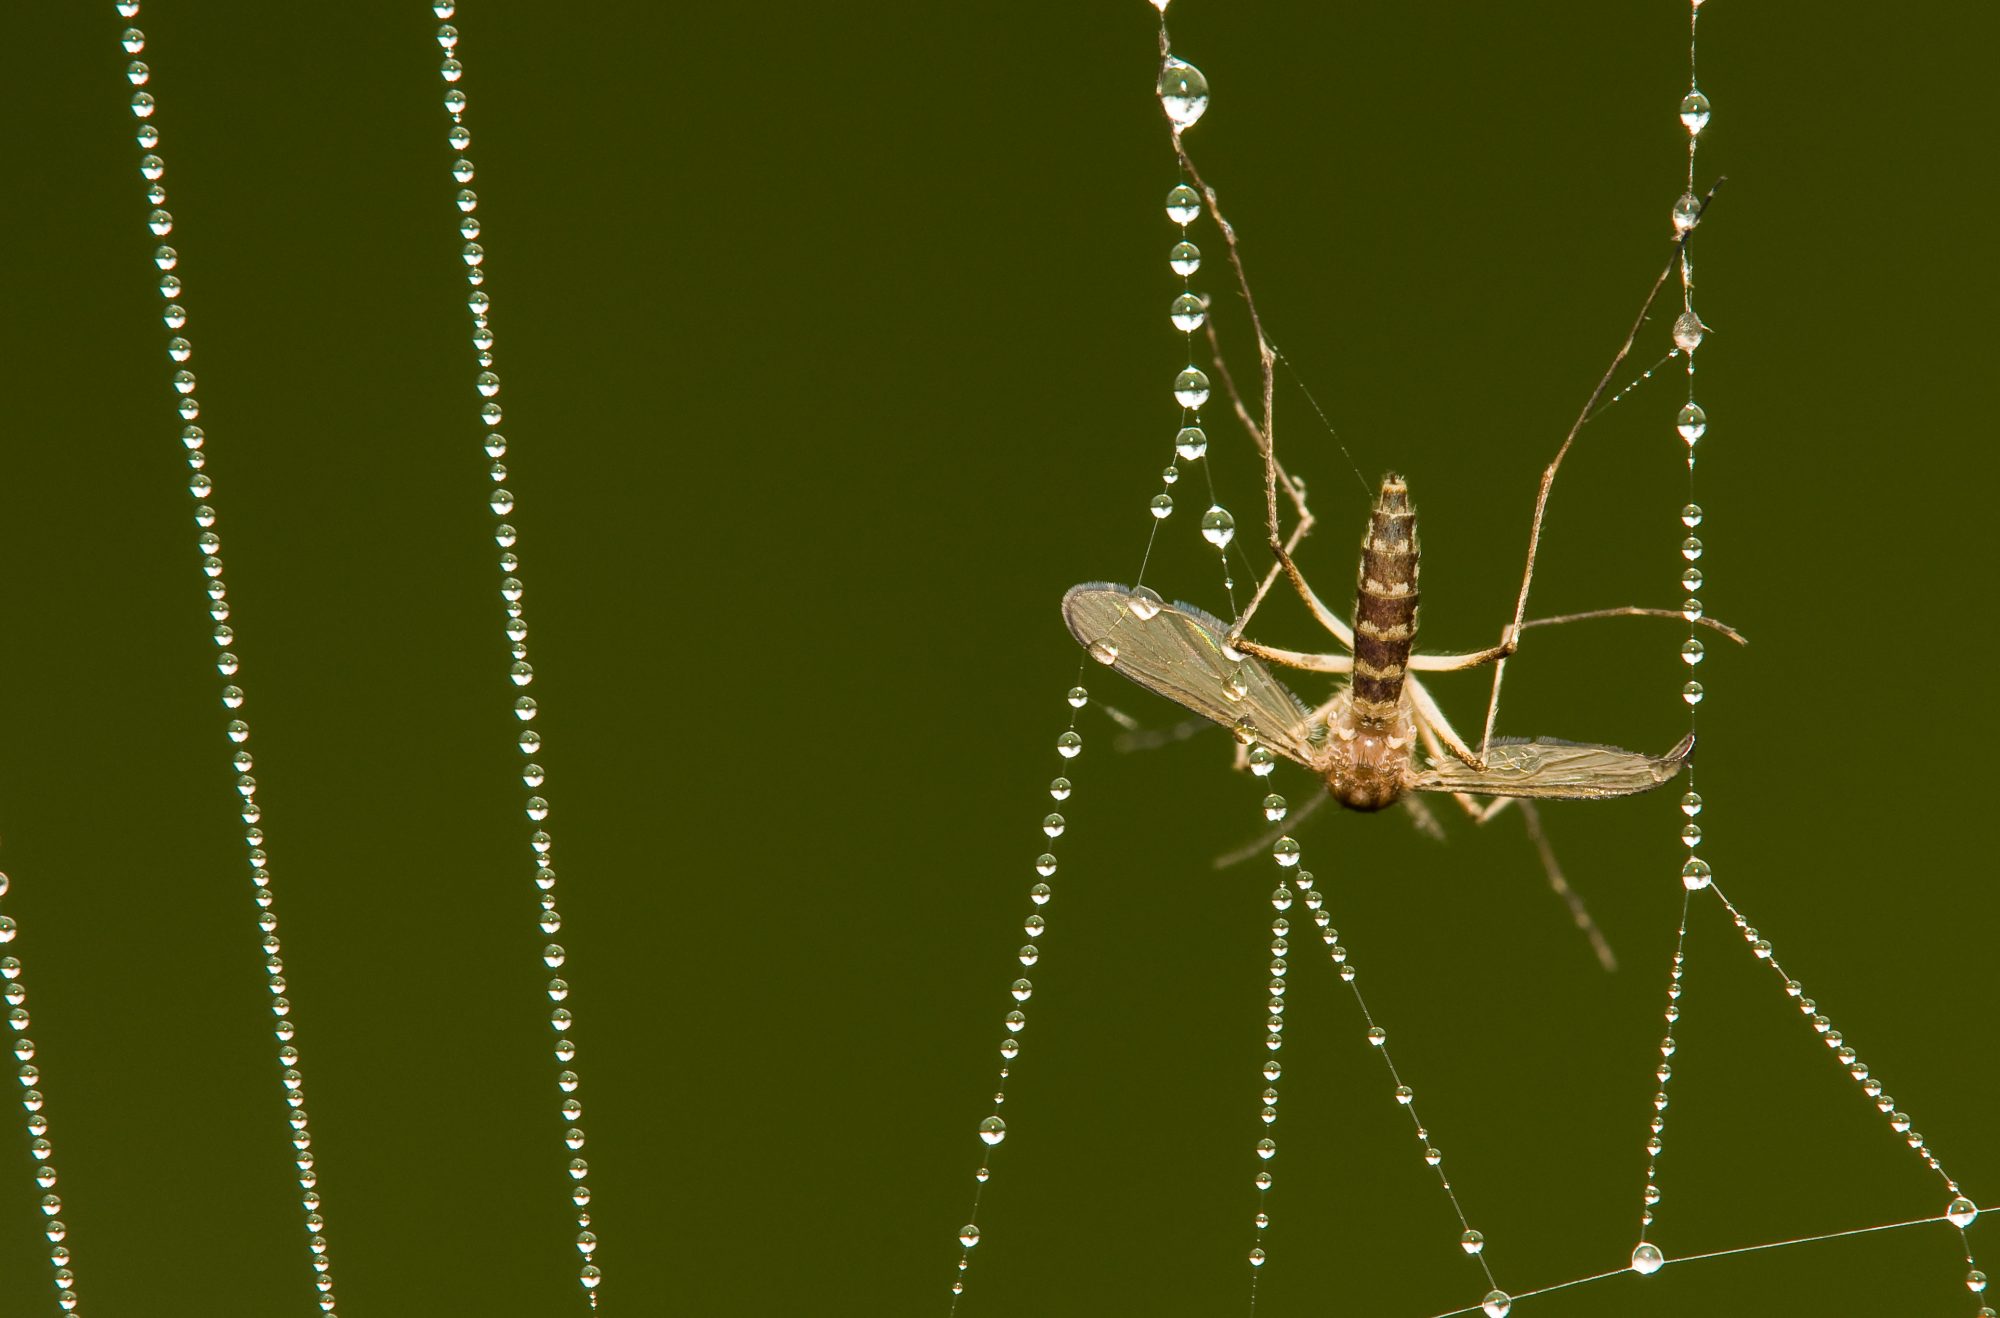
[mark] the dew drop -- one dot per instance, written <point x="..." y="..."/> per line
<point x="1688" y="330"/>
<point x="1053" y="824"/>
<point x="1070" y="745"/>
<point x="1191" y="442"/>
<point x="1234" y="688"/>
<point x="1404" y="1094"/>
<point x="1256" y="1255"/>
<point x="1694" y="112"/>
<point x="1274" y="807"/>
<point x="1161" y="506"/>
<point x="1472" y="1242"/>
<point x="992" y="1130"/>
<point x="1262" y="761"/>
<point x="968" y="1235"/>
<point x="1692" y="422"/>
<point x="1692" y="651"/>
<point x="1077" y="697"/>
<point x="1183" y="93"/>
<point x="1059" y="788"/>
<point x="1975" y="1281"/>
<point x="1103" y="651"/>
<point x="1218" y="527"/>
<point x="1184" y="259"/>
<point x="1695" y="875"/>
<point x="1145" y="603"/>
<point x="1687" y="210"/>
<point x="1285" y="851"/>
<point x="1183" y="204"/>
<point x="1960" y="1212"/>
<point x="1691" y="549"/>
<point x="1377" y="1035"/>
<point x="1691" y="804"/>
<point x="1496" y="1304"/>
<point x="1691" y="516"/>
<point x="1191" y="389"/>
<point x="1187" y="313"/>
<point x="1692" y="579"/>
<point x="1647" y="1259"/>
<point x="1692" y="693"/>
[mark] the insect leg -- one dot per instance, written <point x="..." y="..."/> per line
<point x="1275" y="476"/>
<point x="1578" y="912"/>
<point x="1311" y="663"/>
<point x="1434" y="727"/>
<point x="1510" y="636"/>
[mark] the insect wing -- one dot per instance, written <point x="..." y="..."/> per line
<point x="1560" y="770"/>
<point x="1177" y="650"/>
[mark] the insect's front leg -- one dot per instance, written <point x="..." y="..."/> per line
<point x="1433" y="727"/>
<point x="1311" y="663"/>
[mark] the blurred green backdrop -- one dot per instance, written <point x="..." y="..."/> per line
<point x="835" y="348"/>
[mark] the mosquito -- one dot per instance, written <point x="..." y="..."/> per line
<point x="1381" y="736"/>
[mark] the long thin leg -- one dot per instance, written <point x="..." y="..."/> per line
<point x="1433" y="726"/>
<point x="1636" y="611"/>
<point x="1510" y="637"/>
<point x="1577" y="910"/>
<point x="1311" y="663"/>
<point x="1551" y="869"/>
<point x="1452" y="663"/>
<point x="1260" y="433"/>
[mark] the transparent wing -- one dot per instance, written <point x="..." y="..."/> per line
<point x="1561" y="770"/>
<point x="1177" y="651"/>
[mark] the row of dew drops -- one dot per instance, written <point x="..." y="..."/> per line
<point x="486" y="384"/>
<point x="208" y="544"/>
<point x="1691" y="424"/>
<point x="1184" y="95"/>
<point x="1190" y="391"/>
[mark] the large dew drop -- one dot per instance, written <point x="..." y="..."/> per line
<point x="1218" y="527"/>
<point x="1694" y="112"/>
<point x="1183" y="93"/>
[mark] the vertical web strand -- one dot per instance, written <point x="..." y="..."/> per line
<point x="160" y="224"/>
<point x="520" y="673"/>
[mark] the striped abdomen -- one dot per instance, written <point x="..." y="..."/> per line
<point x="1385" y="606"/>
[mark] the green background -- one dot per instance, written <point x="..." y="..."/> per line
<point x="834" y="348"/>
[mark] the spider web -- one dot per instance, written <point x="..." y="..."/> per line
<point x="831" y="326"/>
<point x="1762" y="1082"/>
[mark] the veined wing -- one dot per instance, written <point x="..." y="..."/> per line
<point x="1562" y="770"/>
<point x="1177" y="650"/>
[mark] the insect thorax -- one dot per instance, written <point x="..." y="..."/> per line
<point x="1367" y="764"/>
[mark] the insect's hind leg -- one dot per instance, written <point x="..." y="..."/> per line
<point x="1551" y="868"/>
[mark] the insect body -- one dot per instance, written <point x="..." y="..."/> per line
<point x="1363" y="742"/>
